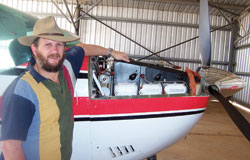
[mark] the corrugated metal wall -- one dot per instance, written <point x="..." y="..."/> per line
<point x="155" y="30"/>
<point x="41" y="9"/>
<point x="150" y="25"/>
<point x="243" y="60"/>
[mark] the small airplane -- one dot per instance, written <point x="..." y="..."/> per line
<point x="127" y="111"/>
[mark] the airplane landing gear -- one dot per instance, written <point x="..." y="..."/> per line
<point x="152" y="158"/>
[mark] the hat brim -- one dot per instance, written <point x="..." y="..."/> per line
<point x="28" y="40"/>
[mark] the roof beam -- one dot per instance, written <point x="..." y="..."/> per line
<point x="197" y="3"/>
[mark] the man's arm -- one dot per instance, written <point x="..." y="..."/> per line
<point x="12" y="150"/>
<point x="94" y="50"/>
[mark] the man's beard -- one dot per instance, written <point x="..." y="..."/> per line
<point x="44" y="63"/>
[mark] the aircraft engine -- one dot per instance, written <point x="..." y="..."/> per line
<point x="117" y="78"/>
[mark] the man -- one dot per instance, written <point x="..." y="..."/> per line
<point x="37" y="120"/>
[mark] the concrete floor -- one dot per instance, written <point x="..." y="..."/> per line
<point x="214" y="137"/>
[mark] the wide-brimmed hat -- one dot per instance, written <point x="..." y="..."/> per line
<point x="48" y="29"/>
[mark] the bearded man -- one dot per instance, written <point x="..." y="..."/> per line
<point x="37" y="121"/>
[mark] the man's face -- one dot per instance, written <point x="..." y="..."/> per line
<point x="49" y="55"/>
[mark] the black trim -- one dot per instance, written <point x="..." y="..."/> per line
<point x="138" y="116"/>
<point x="83" y="75"/>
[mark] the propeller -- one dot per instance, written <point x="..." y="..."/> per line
<point x="205" y="49"/>
<point x="204" y="34"/>
<point x="234" y="114"/>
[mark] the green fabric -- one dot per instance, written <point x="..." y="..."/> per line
<point x="64" y="101"/>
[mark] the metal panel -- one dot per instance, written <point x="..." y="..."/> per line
<point x="243" y="61"/>
<point x="170" y="5"/>
<point x="154" y="37"/>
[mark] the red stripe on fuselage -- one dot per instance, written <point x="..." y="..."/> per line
<point x="85" y="106"/>
<point x="85" y="64"/>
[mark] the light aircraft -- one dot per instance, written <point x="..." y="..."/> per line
<point x="126" y="111"/>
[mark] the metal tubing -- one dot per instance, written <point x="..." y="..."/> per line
<point x="117" y="31"/>
<point x="70" y="15"/>
<point x="219" y="8"/>
<point x="60" y="11"/>
<point x="78" y="7"/>
<point x="88" y="10"/>
<point x="243" y="46"/>
<point x="178" y="44"/>
<point x="153" y="22"/>
<point x="181" y="60"/>
<point x="232" y="51"/>
<point x="239" y="39"/>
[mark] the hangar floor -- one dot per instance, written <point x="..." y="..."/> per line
<point x="214" y="137"/>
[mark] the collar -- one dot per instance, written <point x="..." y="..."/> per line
<point x="37" y="76"/>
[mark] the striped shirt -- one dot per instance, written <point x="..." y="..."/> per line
<point x="38" y="111"/>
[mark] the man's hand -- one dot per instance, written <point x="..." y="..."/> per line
<point x="94" y="50"/>
<point x="120" y="56"/>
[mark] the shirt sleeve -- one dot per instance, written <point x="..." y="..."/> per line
<point x="75" y="56"/>
<point x="17" y="113"/>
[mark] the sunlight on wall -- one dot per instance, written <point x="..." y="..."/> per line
<point x="5" y="58"/>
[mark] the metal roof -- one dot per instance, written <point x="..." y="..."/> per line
<point x="231" y="7"/>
